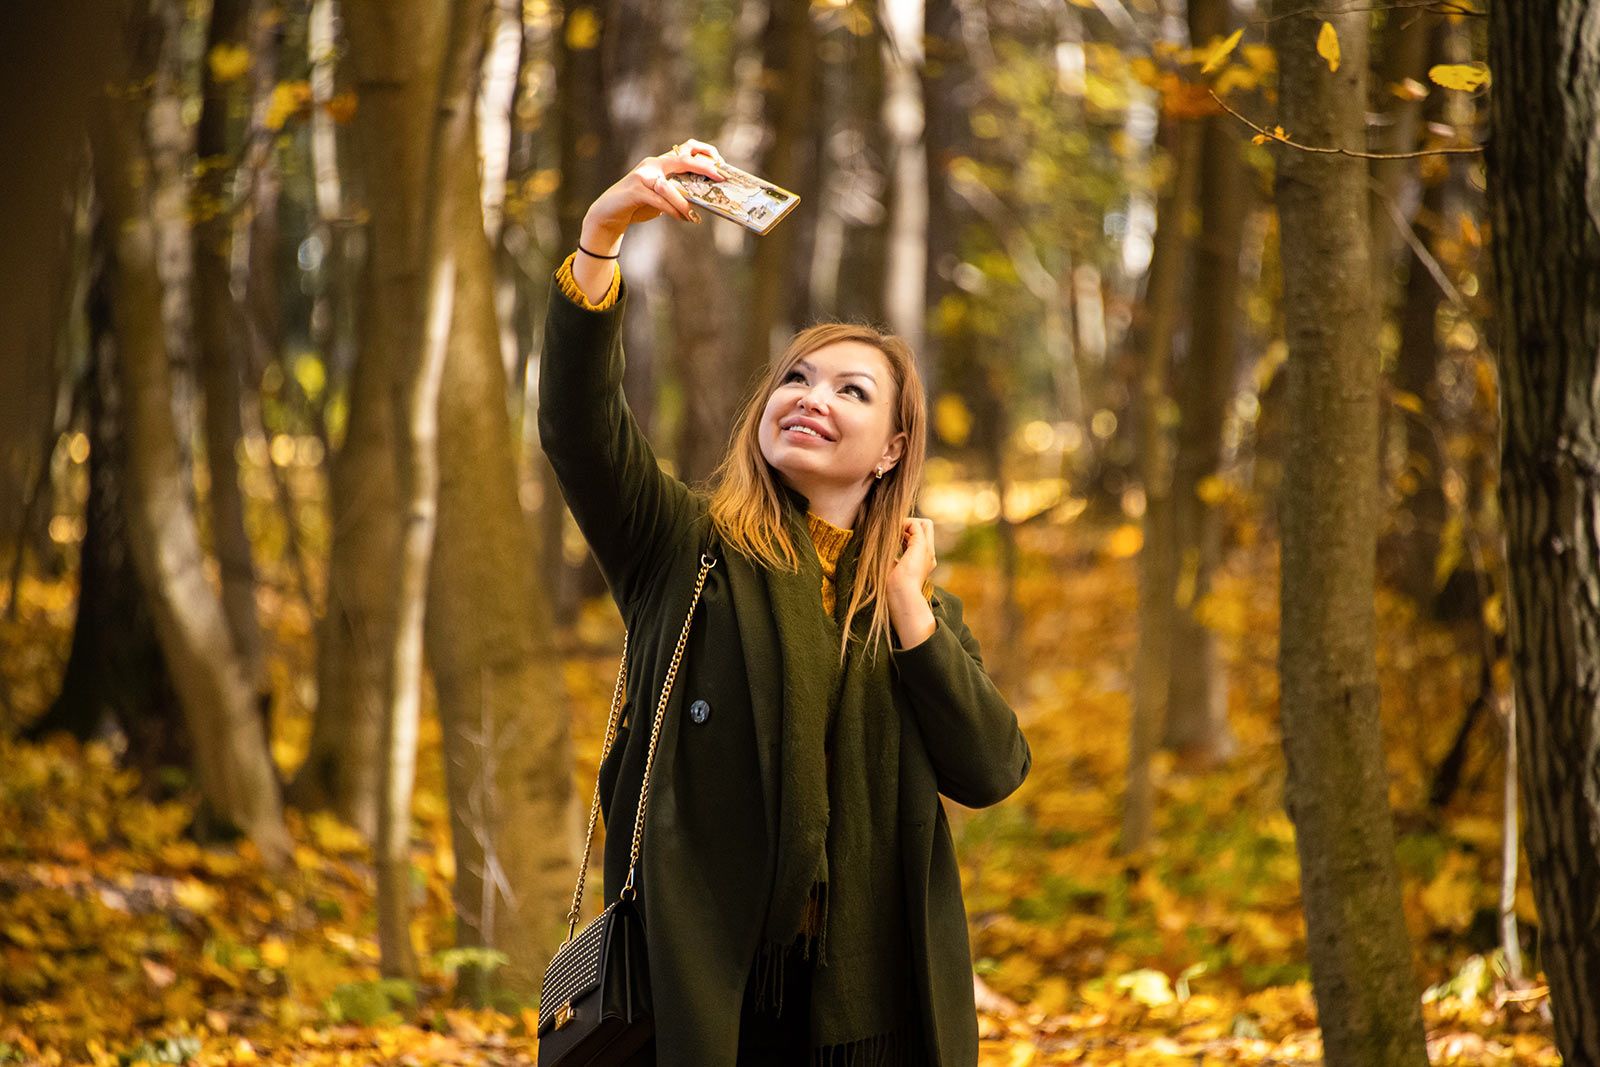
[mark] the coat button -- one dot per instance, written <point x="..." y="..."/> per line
<point x="699" y="711"/>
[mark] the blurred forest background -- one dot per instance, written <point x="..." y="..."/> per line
<point x="239" y="821"/>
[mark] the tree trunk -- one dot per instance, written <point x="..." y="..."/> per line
<point x="508" y="744"/>
<point x="445" y="132"/>
<point x="788" y="57"/>
<point x="114" y="668"/>
<point x="1157" y="558"/>
<point x="1197" y="710"/>
<point x="709" y="367"/>
<point x="356" y="631"/>
<point x="1416" y="370"/>
<point x="949" y="91"/>
<point x="340" y="771"/>
<point x="590" y="160"/>
<point x="219" y="337"/>
<point x="860" y="159"/>
<point x="235" y="772"/>
<point x="1337" y="788"/>
<point x="1544" y="193"/>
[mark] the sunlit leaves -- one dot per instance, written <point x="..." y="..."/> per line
<point x="1465" y="77"/>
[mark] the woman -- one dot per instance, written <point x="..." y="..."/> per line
<point x="801" y="898"/>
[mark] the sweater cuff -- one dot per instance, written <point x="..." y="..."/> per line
<point x="570" y="288"/>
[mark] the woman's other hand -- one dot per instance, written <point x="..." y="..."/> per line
<point x="909" y="612"/>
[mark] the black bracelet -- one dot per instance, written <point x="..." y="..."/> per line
<point x="595" y="255"/>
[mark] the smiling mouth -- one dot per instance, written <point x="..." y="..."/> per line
<point x="804" y="430"/>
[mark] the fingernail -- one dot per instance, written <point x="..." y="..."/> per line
<point x="693" y="214"/>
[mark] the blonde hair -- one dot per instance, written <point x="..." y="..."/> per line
<point x="747" y="499"/>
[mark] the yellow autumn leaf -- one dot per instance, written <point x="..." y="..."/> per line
<point x="1465" y="77"/>
<point x="1220" y="53"/>
<point x="287" y="100"/>
<point x="1328" y="46"/>
<point x="583" y="29"/>
<point x="228" y="62"/>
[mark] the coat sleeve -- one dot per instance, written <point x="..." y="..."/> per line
<point x="974" y="741"/>
<point x="629" y="509"/>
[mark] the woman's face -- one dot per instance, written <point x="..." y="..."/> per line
<point x="830" y="421"/>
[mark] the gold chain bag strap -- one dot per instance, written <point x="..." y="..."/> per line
<point x="594" y="1006"/>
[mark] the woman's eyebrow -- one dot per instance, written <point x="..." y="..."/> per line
<point x="809" y="368"/>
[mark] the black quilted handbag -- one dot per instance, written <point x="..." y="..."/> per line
<point x="594" y="1005"/>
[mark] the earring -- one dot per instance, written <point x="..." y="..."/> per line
<point x="878" y="471"/>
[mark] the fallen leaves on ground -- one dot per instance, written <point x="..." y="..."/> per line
<point x="123" y="941"/>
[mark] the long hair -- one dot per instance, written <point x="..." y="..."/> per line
<point x="747" y="500"/>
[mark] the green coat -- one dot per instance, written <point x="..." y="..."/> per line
<point x="708" y="859"/>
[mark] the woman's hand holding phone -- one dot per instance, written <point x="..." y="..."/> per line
<point x="639" y="196"/>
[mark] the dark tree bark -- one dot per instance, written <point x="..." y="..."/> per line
<point x="115" y="671"/>
<point x="1416" y="371"/>
<point x="709" y="367"/>
<point x="232" y="762"/>
<point x="219" y="340"/>
<point x="949" y="91"/>
<point x="1544" y="194"/>
<point x="591" y="155"/>
<point x="1158" y="555"/>
<point x="780" y="264"/>
<point x="1197" y="709"/>
<point x="861" y="157"/>
<point x="1337" y="791"/>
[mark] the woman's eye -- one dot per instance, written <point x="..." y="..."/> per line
<point x="792" y="375"/>
<point x="861" y="394"/>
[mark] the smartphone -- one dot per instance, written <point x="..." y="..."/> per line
<point x="741" y="197"/>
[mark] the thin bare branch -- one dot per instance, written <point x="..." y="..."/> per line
<point x="1438" y="7"/>
<point x="1466" y="150"/>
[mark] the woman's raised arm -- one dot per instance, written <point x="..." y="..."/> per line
<point x="626" y="506"/>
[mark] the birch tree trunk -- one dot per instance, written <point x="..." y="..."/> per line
<point x="235" y="772"/>
<point x="1337" y="789"/>
<point x="1544" y="194"/>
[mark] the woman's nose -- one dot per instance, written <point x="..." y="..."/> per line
<point x="814" y="400"/>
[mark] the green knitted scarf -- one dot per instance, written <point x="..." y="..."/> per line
<point x="838" y="818"/>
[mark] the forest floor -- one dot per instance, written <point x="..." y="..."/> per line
<point x="121" y="940"/>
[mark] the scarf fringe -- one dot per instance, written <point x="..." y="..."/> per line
<point x="773" y="959"/>
<point x="881" y="1050"/>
